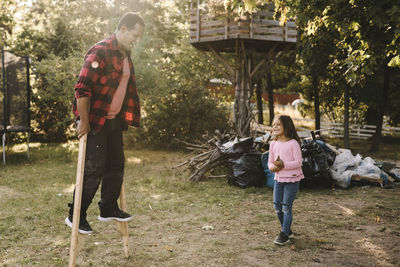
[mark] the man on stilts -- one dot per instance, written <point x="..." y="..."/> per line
<point x="106" y="102"/>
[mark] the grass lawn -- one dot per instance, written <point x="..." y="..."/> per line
<point x="181" y="223"/>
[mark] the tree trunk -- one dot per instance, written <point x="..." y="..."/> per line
<point x="242" y="93"/>
<point x="346" y="117"/>
<point x="371" y="116"/>
<point x="316" y="102"/>
<point x="376" y="139"/>
<point x="259" y="102"/>
<point x="270" y="90"/>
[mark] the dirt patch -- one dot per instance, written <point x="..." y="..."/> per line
<point x="352" y="230"/>
<point x="7" y="193"/>
<point x="209" y="223"/>
<point x="341" y="228"/>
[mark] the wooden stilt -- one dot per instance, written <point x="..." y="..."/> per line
<point x="76" y="239"/>
<point x="123" y="226"/>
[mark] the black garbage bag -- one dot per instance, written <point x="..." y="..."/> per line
<point x="237" y="147"/>
<point x="315" y="160"/>
<point x="330" y="154"/>
<point x="246" y="170"/>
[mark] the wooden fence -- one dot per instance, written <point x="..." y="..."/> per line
<point x="336" y="129"/>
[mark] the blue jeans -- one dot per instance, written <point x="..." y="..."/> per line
<point x="284" y="195"/>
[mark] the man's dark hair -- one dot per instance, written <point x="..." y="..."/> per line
<point x="130" y="19"/>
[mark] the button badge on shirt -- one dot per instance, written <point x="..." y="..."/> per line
<point x="95" y="64"/>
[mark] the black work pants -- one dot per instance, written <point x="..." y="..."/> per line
<point x="104" y="163"/>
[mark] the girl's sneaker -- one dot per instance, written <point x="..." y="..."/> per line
<point x="281" y="239"/>
<point x="290" y="234"/>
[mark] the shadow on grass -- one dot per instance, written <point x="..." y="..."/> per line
<point x="302" y="242"/>
<point x="316" y="184"/>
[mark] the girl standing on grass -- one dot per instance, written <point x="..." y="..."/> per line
<point x="285" y="161"/>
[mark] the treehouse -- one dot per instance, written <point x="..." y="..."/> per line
<point x="254" y="40"/>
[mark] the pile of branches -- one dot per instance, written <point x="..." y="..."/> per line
<point x="205" y="157"/>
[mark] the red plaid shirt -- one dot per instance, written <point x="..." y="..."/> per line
<point x="99" y="79"/>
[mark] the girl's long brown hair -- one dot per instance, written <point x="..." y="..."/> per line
<point x="288" y="127"/>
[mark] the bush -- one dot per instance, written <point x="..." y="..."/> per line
<point x="185" y="113"/>
<point x="52" y="97"/>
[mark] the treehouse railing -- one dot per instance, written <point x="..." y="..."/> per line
<point x="206" y="27"/>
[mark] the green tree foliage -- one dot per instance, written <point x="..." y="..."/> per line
<point x="370" y="31"/>
<point x="345" y="48"/>
<point x="57" y="33"/>
<point x="52" y="105"/>
<point x="184" y="113"/>
<point x="173" y="76"/>
<point x="7" y="11"/>
<point x="50" y="33"/>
